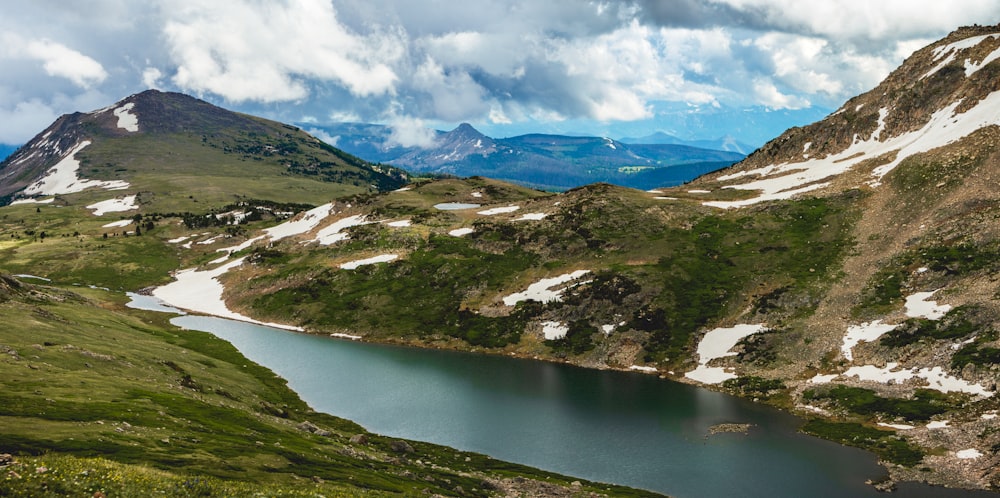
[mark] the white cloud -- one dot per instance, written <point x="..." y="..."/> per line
<point x="881" y="20"/>
<point x="769" y="95"/>
<point x="151" y="77"/>
<point x="25" y="119"/>
<point x="408" y="131"/>
<point x="268" y="52"/>
<point x="454" y="94"/>
<point x="57" y="59"/>
<point x="324" y="136"/>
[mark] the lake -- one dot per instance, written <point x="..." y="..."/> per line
<point x="619" y="427"/>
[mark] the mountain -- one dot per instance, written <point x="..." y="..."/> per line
<point x="190" y="145"/>
<point x="555" y="162"/>
<point x="726" y="143"/>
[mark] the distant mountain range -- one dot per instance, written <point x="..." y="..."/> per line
<point x="555" y="162"/>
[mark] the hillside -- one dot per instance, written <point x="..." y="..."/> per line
<point x="97" y="401"/>
<point x="169" y="148"/>
<point x="552" y="162"/>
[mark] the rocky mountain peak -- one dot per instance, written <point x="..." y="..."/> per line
<point x="940" y="95"/>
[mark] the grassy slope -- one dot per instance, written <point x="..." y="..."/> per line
<point x="666" y="269"/>
<point x="182" y="412"/>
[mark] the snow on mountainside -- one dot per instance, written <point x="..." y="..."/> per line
<point x="940" y="95"/>
<point x="177" y="137"/>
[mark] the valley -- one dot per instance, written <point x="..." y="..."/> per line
<point x="844" y="272"/>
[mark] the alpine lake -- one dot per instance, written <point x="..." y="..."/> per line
<point x="626" y="428"/>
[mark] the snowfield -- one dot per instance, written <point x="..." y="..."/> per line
<point x="868" y="332"/>
<point x="541" y="291"/>
<point x="118" y="224"/>
<point x="499" y="210"/>
<point x="717" y="343"/>
<point x="201" y="292"/>
<point x="917" y="306"/>
<point x="333" y="232"/>
<point x="554" y="330"/>
<point x="383" y="258"/>
<point x="33" y="201"/>
<point x="115" y="205"/>
<point x="785" y="180"/>
<point x="306" y="222"/>
<point x="936" y="378"/>
<point x="126" y="120"/>
<point x="531" y="217"/>
<point x="62" y="178"/>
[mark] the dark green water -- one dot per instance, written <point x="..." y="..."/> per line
<point x="620" y="427"/>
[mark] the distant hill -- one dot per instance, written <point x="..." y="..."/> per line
<point x="555" y="162"/>
<point x="171" y="148"/>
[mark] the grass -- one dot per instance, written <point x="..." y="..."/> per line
<point x="886" y="444"/>
<point x="924" y="404"/>
<point x="143" y="407"/>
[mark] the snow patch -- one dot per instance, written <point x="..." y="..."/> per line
<point x="499" y="210"/>
<point x="952" y="50"/>
<point x="383" y="258"/>
<point x="115" y="205"/>
<point x="823" y="379"/>
<point x="717" y="343"/>
<point x="785" y="180"/>
<point x="917" y="306"/>
<point x="939" y="424"/>
<point x="968" y="454"/>
<point x="399" y="224"/>
<point x="117" y="224"/>
<point x="935" y="377"/>
<point x="640" y="368"/>
<point x="126" y="120"/>
<point x="972" y="67"/>
<point x="305" y="223"/>
<point x="341" y="335"/>
<point x="900" y="427"/>
<point x="531" y="217"/>
<point x="541" y="291"/>
<point x="554" y="330"/>
<point x="868" y="332"/>
<point x="201" y="292"/>
<point x="333" y="233"/>
<point x="460" y="232"/>
<point x="62" y="178"/>
<point x="33" y="201"/>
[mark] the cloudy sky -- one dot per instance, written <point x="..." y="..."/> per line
<point x="616" y="68"/>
